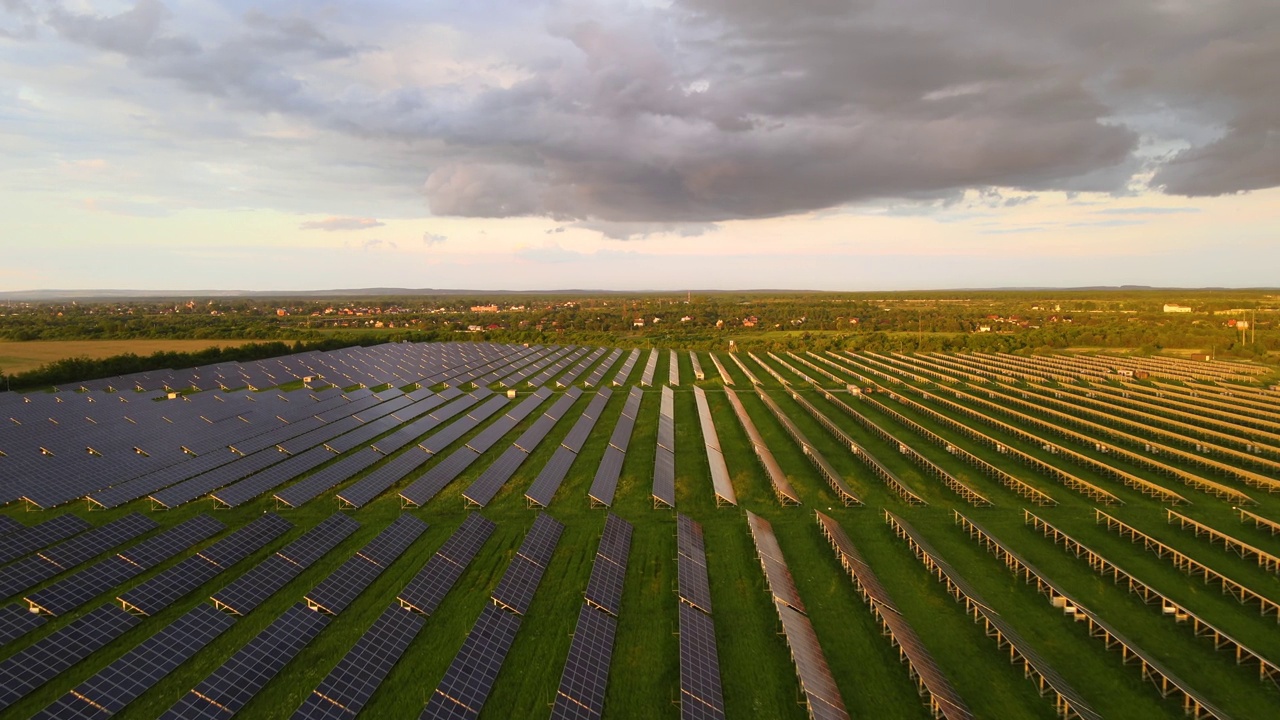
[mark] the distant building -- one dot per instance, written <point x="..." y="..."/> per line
<point x="484" y="308"/>
<point x="1174" y="308"/>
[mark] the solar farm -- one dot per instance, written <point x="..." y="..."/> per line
<point x="462" y="530"/>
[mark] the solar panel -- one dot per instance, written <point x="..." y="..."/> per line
<point x="98" y="540"/>
<point x="33" y="570"/>
<point x="162" y="590"/>
<point x="340" y="588"/>
<point x="16" y="621"/>
<point x="347" y="688"/>
<point x="700" y="689"/>
<point x="425" y="591"/>
<point x="605" y="482"/>
<point x="541" y="540"/>
<point x="775" y="565"/>
<point x="36" y="665"/>
<point x="664" y="477"/>
<point x="25" y="540"/>
<point x="158" y="548"/>
<point x="495" y="476"/>
<point x="234" y="684"/>
<point x="391" y="543"/>
<point x="262" y="580"/>
<point x="245" y="541"/>
<point x="544" y="487"/>
<point x="689" y="540"/>
<point x="816" y="681"/>
<point x="530" y="438"/>
<point x="604" y="589"/>
<point x="692" y="583"/>
<point x="420" y="491"/>
<point x="320" y="539"/>
<point x="615" y="540"/>
<point x="469" y="678"/>
<point x="586" y="671"/>
<point x="515" y="590"/>
<point x="121" y="682"/>
<point x="8" y="525"/>
<point x="77" y="589"/>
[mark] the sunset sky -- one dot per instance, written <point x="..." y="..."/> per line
<point x="517" y="144"/>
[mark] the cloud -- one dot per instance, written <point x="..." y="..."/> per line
<point x="341" y="224"/>
<point x="694" y="111"/>
<point x="429" y="239"/>
<point x="376" y="244"/>
<point x="641" y="230"/>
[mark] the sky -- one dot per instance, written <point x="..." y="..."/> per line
<point x="655" y="144"/>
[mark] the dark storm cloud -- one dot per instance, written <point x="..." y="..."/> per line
<point x="623" y="116"/>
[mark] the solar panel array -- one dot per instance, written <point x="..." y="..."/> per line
<point x="336" y="592"/>
<point x="136" y="448"/>
<point x="673" y="369"/>
<point x="605" y="483"/>
<point x="165" y="588"/>
<point x="650" y="366"/>
<point x="346" y="689"/>
<point x="543" y="488"/>
<point x="576" y="371"/>
<point x="425" y="591"/>
<point x="19" y="542"/>
<point x="39" y="663"/>
<point x="487" y="485"/>
<point x="467" y="682"/>
<point x="121" y="682"/>
<point x="80" y="587"/>
<point x="781" y="485"/>
<point x="229" y="688"/>
<point x="698" y="374"/>
<point x="420" y="491"/>
<point x="944" y="701"/>
<point x="700" y="691"/>
<point x="376" y="482"/>
<point x="822" y="696"/>
<point x="624" y="372"/>
<point x="262" y="581"/>
<point x="725" y="377"/>
<point x="35" y="569"/>
<point x="721" y="485"/>
<point x="604" y="367"/>
<point x="586" y="670"/>
<point x="664" y="458"/>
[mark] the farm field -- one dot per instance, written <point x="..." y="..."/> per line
<point x="986" y="458"/>
<point x="17" y="357"/>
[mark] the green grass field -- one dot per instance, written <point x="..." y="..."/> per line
<point x="759" y="678"/>
<point x="17" y="357"/>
